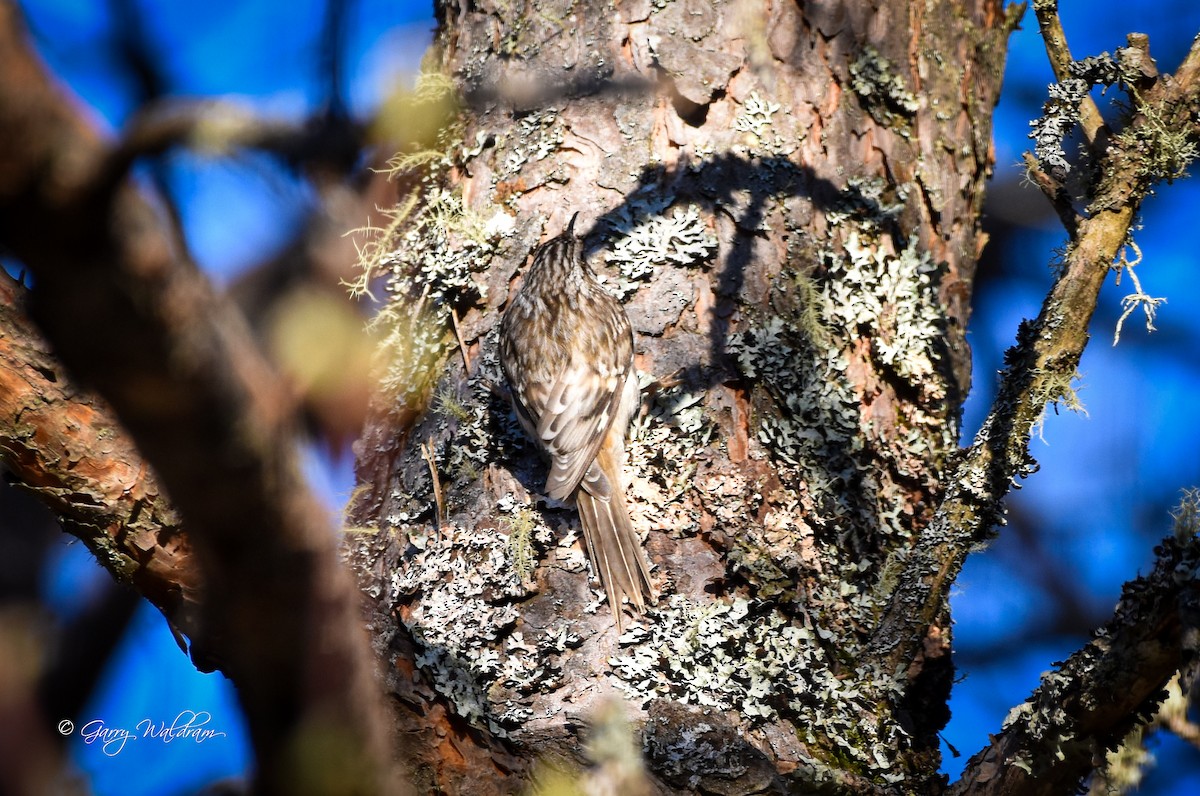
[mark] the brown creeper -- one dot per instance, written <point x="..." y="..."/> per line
<point x="566" y="348"/>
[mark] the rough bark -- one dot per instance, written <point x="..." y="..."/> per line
<point x="788" y="199"/>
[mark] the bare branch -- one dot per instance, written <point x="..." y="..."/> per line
<point x="1052" y="741"/>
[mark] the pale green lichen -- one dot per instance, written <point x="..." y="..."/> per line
<point x="645" y="239"/>
<point x="1186" y="516"/>
<point x="868" y="200"/>
<point x="474" y="428"/>
<point x="1167" y="149"/>
<point x="863" y="290"/>
<point x="1048" y="725"/>
<point x="1053" y="389"/>
<point x="756" y="121"/>
<point x="523" y="525"/>
<point x="883" y="92"/>
<point x="738" y="656"/>
<point x="676" y="419"/>
<point x="1124" y="767"/>
<point x="895" y="297"/>
<point x="467" y="643"/>
<point x="536" y="137"/>
<point x="756" y="115"/>
<point x="818" y="425"/>
<point x="425" y="260"/>
<point x="427" y="267"/>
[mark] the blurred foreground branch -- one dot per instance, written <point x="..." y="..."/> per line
<point x="131" y="316"/>
<point x="61" y="444"/>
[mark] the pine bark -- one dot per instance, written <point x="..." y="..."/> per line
<point x="787" y="197"/>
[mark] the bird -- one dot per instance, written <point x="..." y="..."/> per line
<point x="566" y="350"/>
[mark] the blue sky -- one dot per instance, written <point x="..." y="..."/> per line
<point x="1084" y="524"/>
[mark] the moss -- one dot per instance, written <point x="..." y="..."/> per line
<point x="521" y="526"/>
<point x="446" y="403"/>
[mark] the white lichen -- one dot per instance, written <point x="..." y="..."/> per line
<point x="756" y="121"/>
<point x="1060" y="113"/>
<point x="738" y="656"/>
<point x="465" y="629"/>
<point x="756" y="115"/>
<point x="894" y="297"/>
<point x="535" y="138"/>
<point x="819" y="422"/>
<point x="645" y="239"/>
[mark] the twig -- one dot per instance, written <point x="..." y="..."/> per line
<point x="462" y="346"/>
<point x="1055" y="192"/>
<point x="1059" y="54"/>
<point x="223" y="127"/>
<point x="427" y="454"/>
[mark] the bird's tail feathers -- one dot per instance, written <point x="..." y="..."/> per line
<point x="615" y="550"/>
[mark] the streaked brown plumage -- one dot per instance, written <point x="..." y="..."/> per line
<point x="566" y="348"/>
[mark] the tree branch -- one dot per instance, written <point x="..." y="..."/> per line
<point x="221" y="126"/>
<point x="130" y="315"/>
<point x="1039" y="368"/>
<point x="1055" y="39"/>
<point x="1050" y="742"/>
<point x="65" y="447"/>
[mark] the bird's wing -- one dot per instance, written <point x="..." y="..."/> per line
<point x="575" y="417"/>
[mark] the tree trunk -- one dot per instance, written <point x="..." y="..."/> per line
<point x="786" y="197"/>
